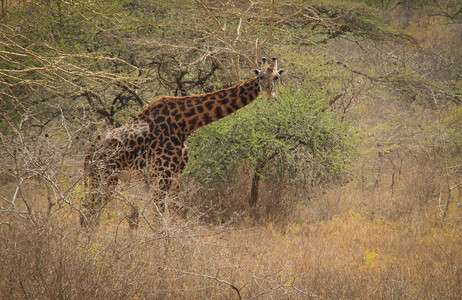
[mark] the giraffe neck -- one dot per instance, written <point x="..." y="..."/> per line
<point x="201" y="110"/>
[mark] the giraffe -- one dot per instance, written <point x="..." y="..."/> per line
<point x="153" y="143"/>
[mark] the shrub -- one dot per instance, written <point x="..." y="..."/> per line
<point x="291" y="143"/>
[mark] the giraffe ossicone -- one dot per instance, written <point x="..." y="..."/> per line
<point x="153" y="143"/>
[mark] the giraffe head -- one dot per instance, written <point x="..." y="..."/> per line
<point x="269" y="75"/>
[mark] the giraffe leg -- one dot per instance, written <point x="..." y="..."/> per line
<point x="169" y="185"/>
<point x="99" y="195"/>
<point x="177" y="207"/>
<point x="163" y="184"/>
<point x="183" y="160"/>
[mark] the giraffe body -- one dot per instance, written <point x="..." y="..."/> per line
<point x="153" y="143"/>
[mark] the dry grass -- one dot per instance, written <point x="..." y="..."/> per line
<point x="364" y="240"/>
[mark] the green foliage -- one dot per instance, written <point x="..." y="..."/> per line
<point x="52" y="53"/>
<point x="448" y="9"/>
<point x="386" y="4"/>
<point x="294" y="134"/>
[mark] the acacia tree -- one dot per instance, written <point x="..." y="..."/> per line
<point x="46" y="74"/>
<point x="65" y="66"/>
<point x="294" y="142"/>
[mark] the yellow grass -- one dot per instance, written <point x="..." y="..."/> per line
<point x="374" y="246"/>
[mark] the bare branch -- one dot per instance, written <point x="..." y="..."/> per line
<point x="232" y="286"/>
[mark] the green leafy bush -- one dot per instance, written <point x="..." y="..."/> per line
<point x="294" y="142"/>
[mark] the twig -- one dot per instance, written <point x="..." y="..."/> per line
<point x="232" y="286"/>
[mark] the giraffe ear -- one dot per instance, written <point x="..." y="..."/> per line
<point x="280" y="72"/>
<point x="256" y="72"/>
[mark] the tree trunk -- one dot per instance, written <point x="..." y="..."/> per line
<point x="254" y="189"/>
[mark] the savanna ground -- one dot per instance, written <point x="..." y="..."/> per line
<point x="356" y="167"/>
